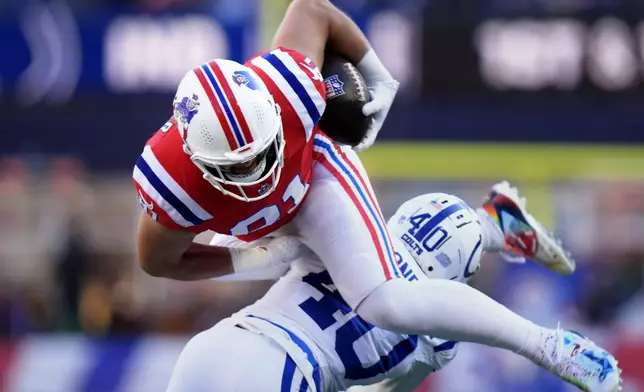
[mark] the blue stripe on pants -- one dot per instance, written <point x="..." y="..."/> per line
<point x="304" y="386"/>
<point x="287" y="376"/>
<point x="304" y="347"/>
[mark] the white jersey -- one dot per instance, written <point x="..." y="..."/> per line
<point x="333" y="347"/>
<point x="304" y="305"/>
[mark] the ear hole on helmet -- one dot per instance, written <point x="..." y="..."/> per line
<point x="430" y="268"/>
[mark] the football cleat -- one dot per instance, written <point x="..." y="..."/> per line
<point x="581" y="362"/>
<point x="524" y="235"/>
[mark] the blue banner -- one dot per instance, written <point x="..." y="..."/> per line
<point x="68" y="76"/>
<point x="52" y="52"/>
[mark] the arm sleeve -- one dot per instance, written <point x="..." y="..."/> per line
<point x="146" y="181"/>
<point x="313" y="77"/>
<point x="152" y="209"/>
<point x="295" y="82"/>
<point x="163" y="191"/>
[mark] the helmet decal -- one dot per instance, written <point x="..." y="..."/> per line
<point x="441" y="233"/>
<point x="185" y="109"/>
<point x="243" y="78"/>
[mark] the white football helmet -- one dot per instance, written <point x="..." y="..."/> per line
<point x="441" y="233"/>
<point x="231" y="128"/>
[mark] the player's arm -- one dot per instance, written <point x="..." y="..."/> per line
<point x="168" y="253"/>
<point x="312" y="26"/>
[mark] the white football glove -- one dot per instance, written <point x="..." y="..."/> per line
<point x="283" y="250"/>
<point x="270" y="253"/>
<point x="383" y="88"/>
<point x="382" y="97"/>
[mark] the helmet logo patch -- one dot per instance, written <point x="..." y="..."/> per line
<point x="185" y="109"/>
<point x="243" y="78"/>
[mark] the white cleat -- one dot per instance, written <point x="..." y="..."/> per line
<point x="584" y="364"/>
<point x="524" y="235"/>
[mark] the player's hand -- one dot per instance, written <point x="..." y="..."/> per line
<point x="271" y="252"/>
<point x="283" y="250"/>
<point x="382" y="97"/>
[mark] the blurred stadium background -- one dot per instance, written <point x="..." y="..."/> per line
<point x="545" y="93"/>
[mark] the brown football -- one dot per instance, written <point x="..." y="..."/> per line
<point x="346" y="94"/>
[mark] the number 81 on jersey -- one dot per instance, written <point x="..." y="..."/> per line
<point x="270" y="214"/>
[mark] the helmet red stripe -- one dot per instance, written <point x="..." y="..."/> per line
<point x="218" y="110"/>
<point x="233" y="101"/>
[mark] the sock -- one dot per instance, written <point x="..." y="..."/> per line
<point x="453" y="311"/>
<point x="493" y="238"/>
<point x="546" y="354"/>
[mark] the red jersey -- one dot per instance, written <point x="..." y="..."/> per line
<point x="172" y="189"/>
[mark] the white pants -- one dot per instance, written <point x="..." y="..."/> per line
<point x="227" y="358"/>
<point x="341" y="222"/>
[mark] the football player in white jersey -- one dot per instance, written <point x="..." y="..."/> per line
<point x="302" y="335"/>
<point x="244" y="155"/>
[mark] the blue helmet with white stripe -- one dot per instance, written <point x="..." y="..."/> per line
<point x="441" y="233"/>
<point x="231" y="128"/>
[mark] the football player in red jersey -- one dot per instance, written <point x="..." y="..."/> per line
<point x="243" y="156"/>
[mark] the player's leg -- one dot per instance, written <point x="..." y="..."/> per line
<point x="568" y="354"/>
<point x="232" y="359"/>
<point x="341" y="223"/>
<point x="454" y="311"/>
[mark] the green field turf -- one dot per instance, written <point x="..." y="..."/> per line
<point x="482" y="161"/>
